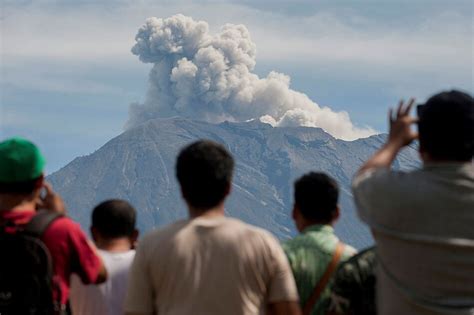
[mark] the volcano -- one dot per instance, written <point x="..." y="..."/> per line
<point x="139" y="166"/>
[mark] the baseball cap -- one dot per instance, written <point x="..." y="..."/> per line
<point x="20" y="161"/>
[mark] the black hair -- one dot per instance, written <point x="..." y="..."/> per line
<point x="204" y="171"/>
<point x="446" y="126"/>
<point x="114" y="218"/>
<point x="21" y="188"/>
<point x="316" y="196"/>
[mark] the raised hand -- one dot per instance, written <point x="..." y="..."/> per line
<point x="400" y="123"/>
<point x="51" y="201"/>
<point x="399" y="136"/>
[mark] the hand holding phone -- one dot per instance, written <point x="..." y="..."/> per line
<point x="50" y="200"/>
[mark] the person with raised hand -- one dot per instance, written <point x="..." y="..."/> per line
<point x="422" y="221"/>
<point x="41" y="246"/>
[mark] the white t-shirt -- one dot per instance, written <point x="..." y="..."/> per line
<point x="106" y="298"/>
<point x="209" y="266"/>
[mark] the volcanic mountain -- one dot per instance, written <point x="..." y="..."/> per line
<point x="139" y="166"/>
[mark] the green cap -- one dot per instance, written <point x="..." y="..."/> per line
<point x="20" y="160"/>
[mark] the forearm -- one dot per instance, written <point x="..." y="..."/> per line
<point x="102" y="275"/>
<point x="383" y="158"/>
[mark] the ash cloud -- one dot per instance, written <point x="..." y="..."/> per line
<point x="209" y="77"/>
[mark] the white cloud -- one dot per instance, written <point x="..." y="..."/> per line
<point x="207" y="76"/>
<point x="106" y="32"/>
<point x="418" y="57"/>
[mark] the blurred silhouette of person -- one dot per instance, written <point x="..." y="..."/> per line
<point x="316" y="252"/>
<point x="353" y="285"/>
<point x="423" y="220"/>
<point x="209" y="264"/>
<point x="23" y="190"/>
<point x="114" y="233"/>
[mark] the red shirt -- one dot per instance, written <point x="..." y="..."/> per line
<point x="70" y="251"/>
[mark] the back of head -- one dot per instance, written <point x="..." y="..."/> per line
<point x="204" y="171"/>
<point x="21" y="165"/>
<point x="446" y="126"/>
<point x="114" y="219"/>
<point x="316" y="196"/>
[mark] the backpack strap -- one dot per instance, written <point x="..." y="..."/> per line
<point x="4" y="224"/>
<point x="40" y="222"/>
<point x="318" y="289"/>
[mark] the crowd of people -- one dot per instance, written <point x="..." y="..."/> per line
<point x="422" y="222"/>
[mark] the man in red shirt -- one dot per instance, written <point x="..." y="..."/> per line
<point x="23" y="190"/>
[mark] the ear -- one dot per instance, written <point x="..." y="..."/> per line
<point x="424" y="156"/>
<point x="95" y="234"/>
<point x="134" y="239"/>
<point x="39" y="183"/>
<point x="295" y="212"/>
<point x="228" y="189"/>
<point x="300" y="221"/>
<point x="38" y="188"/>
<point x="135" y="235"/>
<point x="336" y="214"/>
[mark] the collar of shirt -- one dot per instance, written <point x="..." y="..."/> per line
<point x="324" y="228"/>
<point x="450" y="166"/>
<point x="18" y="217"/>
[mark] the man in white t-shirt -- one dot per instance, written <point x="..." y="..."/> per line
<point x="209" y="264"/>
<point x="114" y="233"/>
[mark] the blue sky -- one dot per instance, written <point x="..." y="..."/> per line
<point x="67" y="75"/>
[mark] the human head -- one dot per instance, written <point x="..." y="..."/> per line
<point x="446" y="127"/>
<point x="114" y="219"/>
<point x="21" y="167"/>
<point x="315" y="200"/>
<point x="204" y="171"/>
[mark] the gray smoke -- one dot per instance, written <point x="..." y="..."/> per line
<point x="209" y="77"/>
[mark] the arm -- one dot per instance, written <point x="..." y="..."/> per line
<point x="141" y="295"/>
<point x="284" y="308"/>
<point x="282" y="298"/>
<point x="370" y="183"/>
<point x="52" y="201"/>
<point x="85" y="260"/>
<point x="400" y="135"/>
<point x="102" y="276"/>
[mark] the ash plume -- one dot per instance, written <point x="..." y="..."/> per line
<point x="209" y="77"/>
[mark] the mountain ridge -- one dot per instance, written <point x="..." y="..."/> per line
<point x="138" y="165"/>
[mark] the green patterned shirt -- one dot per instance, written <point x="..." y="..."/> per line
<point x="309" y="255"/>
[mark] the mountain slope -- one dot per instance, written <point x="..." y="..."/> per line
<point x="138" y="165"/>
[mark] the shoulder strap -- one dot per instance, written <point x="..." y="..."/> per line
<point x="40" y="222"/>
<point x="318" y="289"/>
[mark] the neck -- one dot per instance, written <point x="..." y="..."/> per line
<point x="115" y="245"/>
<point x="13" y="202"/>
<point x="428" y="159"/>
<point x="306" y="224"/>
<point x="217" y="211"/>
